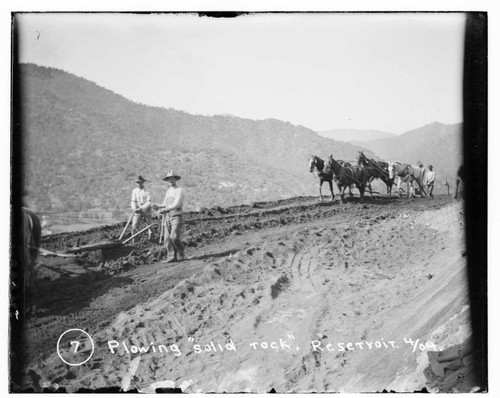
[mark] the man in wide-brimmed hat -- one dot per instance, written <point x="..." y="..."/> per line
<point x="141" y="205"/>
<point x="172" y="207"/>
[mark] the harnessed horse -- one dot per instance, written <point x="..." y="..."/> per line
<point x="345" y="176"/>
<point x="325" y="175"/>
<point x="375" y="169"/>
<point x="407" y="173"/>
<point x="32" y="235"/>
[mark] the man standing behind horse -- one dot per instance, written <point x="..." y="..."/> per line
<point x="172" y="207"/>
<point x="421" y="177"/>
<point x="141" y="205"/>
<point x="430" y="177"/>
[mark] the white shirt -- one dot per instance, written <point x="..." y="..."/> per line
<point x="174" y="199"/>
<point x="141" y="199"/>
<point x="430" y="176"/>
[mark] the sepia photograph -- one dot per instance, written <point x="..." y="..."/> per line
<point x="248" y="202"/>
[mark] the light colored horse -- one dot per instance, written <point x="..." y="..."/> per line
<point x="408" y="174"/>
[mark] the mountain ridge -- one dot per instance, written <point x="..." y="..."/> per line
<point x="81" y="137"/>
<point x="355" y="136"/>
<point x="434" y="143"/>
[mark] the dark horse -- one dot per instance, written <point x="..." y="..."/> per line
<point x="324" y="174"/>
<point x="32" y="235"/>
<point x="376" y="169"/>
<point x="345" y="176"/>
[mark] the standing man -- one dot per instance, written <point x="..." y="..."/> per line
<point x="460" y="177"/>
<point x="421" y="178"/>
<point x="141" y="205"/>
<point x="430" y="176"/>
<point x="172" y="206"/>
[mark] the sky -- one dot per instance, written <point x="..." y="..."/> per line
<point x="382" y="71"/>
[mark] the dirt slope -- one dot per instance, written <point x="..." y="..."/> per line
<point x="290" y="295"/>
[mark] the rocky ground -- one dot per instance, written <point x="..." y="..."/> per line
<point x="295" y="295"/>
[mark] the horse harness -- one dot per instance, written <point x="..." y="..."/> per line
<point x="373" y="164"/>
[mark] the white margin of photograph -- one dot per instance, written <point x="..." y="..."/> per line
<point x="490" y="6"/>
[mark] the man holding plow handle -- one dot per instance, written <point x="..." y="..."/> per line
<point x="141" y="205"/>
<point x="172" y="207"/>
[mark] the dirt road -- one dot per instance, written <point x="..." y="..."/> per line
<point x="293" y="295"/>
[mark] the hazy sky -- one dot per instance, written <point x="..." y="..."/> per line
<point x="390" y="72"/>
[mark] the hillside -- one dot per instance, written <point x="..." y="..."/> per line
<point x="436" y="143"/>
<point x="355" y="137"/>
<point x="85" y="146"/>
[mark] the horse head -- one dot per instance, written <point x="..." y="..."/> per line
<point x="315" y="162"/>
<point x="335" y="165"/>
<point x="312" y="163"/>
<point x="390" y="169"/>
<point x="361" y="158"/>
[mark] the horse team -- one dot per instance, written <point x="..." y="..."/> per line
<point x="362" y="175"/>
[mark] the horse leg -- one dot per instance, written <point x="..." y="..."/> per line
<point x="320" y="193"/>
<point x="370" y="180"/>
<point x="331" y="189"/>
<point x="399" y="187"/>
<point x="350" y="192"/>
<point x="340" y="191"/>
<point x="342" y="194"/>
<point x="361" y="192"/>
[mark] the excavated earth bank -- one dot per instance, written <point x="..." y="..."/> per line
<point x="294" y="295"/>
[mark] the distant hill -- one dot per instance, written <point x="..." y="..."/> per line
<point x="355" y="137"/>
<point x="85" y="146"/>
<point x="436" y="143"/>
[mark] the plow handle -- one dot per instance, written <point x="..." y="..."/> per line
<point x="138" y="233"/>
<point x="126" y="226"/>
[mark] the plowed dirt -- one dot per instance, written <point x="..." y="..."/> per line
<point x="294" y="295"/>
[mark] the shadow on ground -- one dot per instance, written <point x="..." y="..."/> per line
<point x="67" y="295"/>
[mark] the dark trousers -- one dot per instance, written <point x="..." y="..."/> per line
<point x="430" y="188"/>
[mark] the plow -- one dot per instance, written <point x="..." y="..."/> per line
<point x="104" y="244"/>
<point x="110" y="243"/>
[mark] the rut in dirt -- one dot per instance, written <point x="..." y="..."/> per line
<point x="299" y="260"/>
